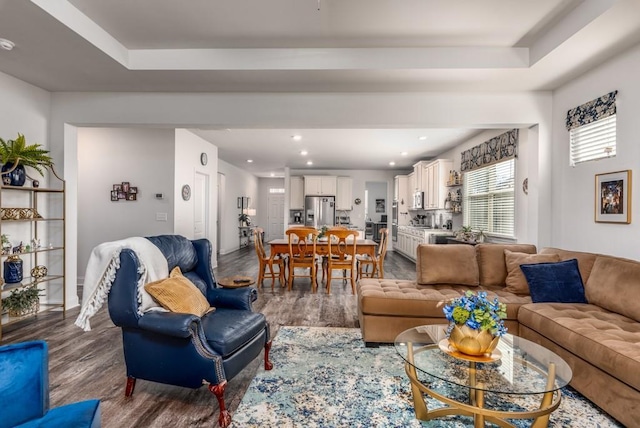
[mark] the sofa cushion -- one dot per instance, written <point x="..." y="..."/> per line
<point x="178" y="294"/>
<point x="178" y="251"/>
<point x="408" y="299"/>
<point x="585" y="260"/>
<point x="555" y="282"/>
<point x="491" y="263"/>
<point x="605" y="339"/>
<point x="228" y="330"/>
<point x="614" y="284"/>
<point x="516" y="282"/>
<point x="447" y="264"/>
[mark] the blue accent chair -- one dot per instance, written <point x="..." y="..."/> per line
<point x="183" y="349"/>
<point x="24" y="392"/>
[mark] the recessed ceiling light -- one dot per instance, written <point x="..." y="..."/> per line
<point x="309" y="162"/>
<point x="392" y="163"/>
<point x="297" y="137"/>
<point x="304" y="153"/>
<point x="404" y="153"/>
<point x="250" y="160"/>
<point x="273" y="174"/>
<point x="7" y="45"/>
<point x="422" y="138"/>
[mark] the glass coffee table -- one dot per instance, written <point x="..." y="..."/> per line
<point x="519" y="380"/>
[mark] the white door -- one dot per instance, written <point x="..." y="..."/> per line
<point x="201" y="206"/>
<point x="221" y="196"/>
<point x="275" y="217"/>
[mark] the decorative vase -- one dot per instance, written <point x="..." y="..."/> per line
<point x="35" y="307"/>
<point x="17" y="177"/>
<point x="472" y="342"/>
<point x="13" y="269"/>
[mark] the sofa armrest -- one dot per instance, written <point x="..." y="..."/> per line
<point x="168" y="323"/>
<point x="235" y="298"/>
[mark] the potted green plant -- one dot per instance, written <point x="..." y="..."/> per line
<point x="16" y="154"/>
<point x="22" y="301"/>
<point x="244" y="219"/>
<point x="465" y="233"/>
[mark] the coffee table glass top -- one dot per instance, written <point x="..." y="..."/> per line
<point x="521" y="369"/>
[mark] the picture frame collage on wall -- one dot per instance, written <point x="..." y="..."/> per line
<point x="124" y="191"/>
<point x="613" y="197"/>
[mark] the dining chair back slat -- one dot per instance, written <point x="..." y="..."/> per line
<point x="303" y="254"/>
<point x="342" y="255"/>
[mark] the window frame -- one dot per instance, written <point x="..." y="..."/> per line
<point x="494" y="189"/>
<point x="592" y="142"/>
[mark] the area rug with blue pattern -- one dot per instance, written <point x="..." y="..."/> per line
<point x="326" y="377"/>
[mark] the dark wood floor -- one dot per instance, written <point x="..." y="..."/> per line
<point x="87" y="365"/>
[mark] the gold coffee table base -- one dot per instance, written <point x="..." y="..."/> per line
<point x="475" y="408"/>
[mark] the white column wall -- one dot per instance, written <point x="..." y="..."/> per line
<point x="573" y="189"/>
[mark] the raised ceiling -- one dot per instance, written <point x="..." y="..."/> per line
<point x="313" y="46"/>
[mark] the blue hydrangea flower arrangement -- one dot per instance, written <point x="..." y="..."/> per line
<point x="477" y="312"/>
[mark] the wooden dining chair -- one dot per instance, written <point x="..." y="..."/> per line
<point x="268" y="261"/>
<point x="377" y="261"/>
<point x="342" y="255"/>
<point x="303" y="254"/>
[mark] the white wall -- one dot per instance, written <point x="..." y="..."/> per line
<point x="377" y="190"/>
<point x="238" y="183"/>
<point x="187" y="150"/>
<point x="24" y="109"/>
<point x="107" y="156"/>
<point x="573" y="190"/>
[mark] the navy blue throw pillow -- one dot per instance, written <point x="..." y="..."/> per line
<point x="555" y="282"/>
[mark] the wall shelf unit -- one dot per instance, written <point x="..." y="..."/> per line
<point x="34" y="217"/>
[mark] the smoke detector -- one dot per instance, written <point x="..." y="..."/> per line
<point x="7" y="45"/>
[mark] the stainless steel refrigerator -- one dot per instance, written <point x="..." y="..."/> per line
<point x="319" y="211"/>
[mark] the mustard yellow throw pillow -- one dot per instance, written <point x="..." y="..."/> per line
<point x="178" y="294"/>
<point x="516" y="281"/>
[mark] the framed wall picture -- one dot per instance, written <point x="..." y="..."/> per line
<point x="114" y="195"/>
<point x="380" y="205"/>
<point x="613" y="197"/>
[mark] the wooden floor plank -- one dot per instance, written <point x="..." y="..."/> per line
<point x="87" y="365"/>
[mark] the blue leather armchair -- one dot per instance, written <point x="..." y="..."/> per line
<point x="24" y="392"/>
<point x="183" y="349"/>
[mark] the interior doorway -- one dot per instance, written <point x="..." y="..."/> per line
<point x="201" y="206"/>
<point x="275" y="216"/>
<point x="219" y="218"/>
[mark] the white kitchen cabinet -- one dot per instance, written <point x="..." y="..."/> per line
<point x="419" y="179"/>
<point x="324" y="185"/>
<point x="296" y="193"/>
<point x="436" y="174"/>
<point x="401" y="191"/>
<point x="344" y="193"/>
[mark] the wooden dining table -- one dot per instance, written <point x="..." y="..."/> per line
<point x="363" y="247"/>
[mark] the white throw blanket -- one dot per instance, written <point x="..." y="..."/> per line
<point x="103" y="264"/>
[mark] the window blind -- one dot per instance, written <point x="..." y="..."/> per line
<point x="489" y="199"/>
<point x="595" y="140"/>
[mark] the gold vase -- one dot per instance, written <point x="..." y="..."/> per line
<point x="472" y="342"/>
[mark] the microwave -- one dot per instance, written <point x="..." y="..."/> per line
<point x="418" y="201"/>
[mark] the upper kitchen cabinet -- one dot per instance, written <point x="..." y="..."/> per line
<point x="400" y="190"/>
<point x="296" y="193"/>
<point x="344" y="194"/>
<point x="324" y="185"/>
<point x="436" y="174"/>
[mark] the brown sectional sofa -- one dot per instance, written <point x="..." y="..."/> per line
<point x="600" y="340"/>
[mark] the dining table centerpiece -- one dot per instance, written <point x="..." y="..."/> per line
<point x="475" y="323"/>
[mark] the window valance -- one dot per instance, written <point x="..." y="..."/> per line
<point x="597" y="109"/>
<point x="497" y="149"/>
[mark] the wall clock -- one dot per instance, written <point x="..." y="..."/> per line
<point x="357" y="201"/>
<point x="203" y="158"/>
<point x="186" y="192"/>
<point x="525" y="186"/>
